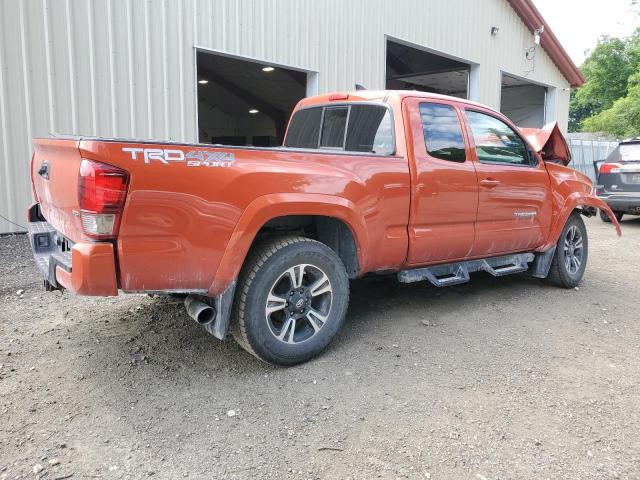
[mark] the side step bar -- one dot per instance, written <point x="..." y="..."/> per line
<point x="455" y="273"/>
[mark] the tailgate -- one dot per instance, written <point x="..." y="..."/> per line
<point x="629" y="177"/>
<point x="54" y="172"/>
<point x="624" y="177"/>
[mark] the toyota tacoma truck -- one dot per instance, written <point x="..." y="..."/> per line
<point x="262" y="242"/>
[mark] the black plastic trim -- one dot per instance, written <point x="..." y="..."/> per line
<point x="219" y="328"/>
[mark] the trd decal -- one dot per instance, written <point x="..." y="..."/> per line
<point x="193" y="158"/>
<point x="155" y="154"/>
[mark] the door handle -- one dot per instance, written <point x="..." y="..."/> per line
<point x="489" y="183"/>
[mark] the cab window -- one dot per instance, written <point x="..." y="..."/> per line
<point x="304" y="129"/>
<point x="442" y="132"/>
<point x="353" y="128"/>
<point x="334" y="125"/>
<point x="370" y="130"/>
<point x="496" y="142"/>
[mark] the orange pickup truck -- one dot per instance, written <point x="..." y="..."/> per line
<point x="262" y="242"/>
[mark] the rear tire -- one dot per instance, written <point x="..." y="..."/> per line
<point x="570" y="258"/>
<point x="291" y="301"/>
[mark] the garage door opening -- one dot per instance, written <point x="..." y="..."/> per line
<point x="523" y="102"/>
<point x="242" y="102"/>
<point x="409" y="68"/>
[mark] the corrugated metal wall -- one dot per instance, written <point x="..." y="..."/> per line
<point x="126" y="67"/>
<point x="587" y="151"/>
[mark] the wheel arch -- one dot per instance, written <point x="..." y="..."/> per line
<point x="580" y="203"/>
<point x="331" y="220"/>
<point x="331" y="231"/>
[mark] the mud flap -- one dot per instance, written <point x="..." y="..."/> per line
<point x="222" y="304"/>
<point x="541" y="264"/>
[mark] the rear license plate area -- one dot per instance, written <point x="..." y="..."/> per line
<point x="634" y="178"/>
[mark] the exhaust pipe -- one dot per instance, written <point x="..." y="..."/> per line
<point x="201" y="312"/>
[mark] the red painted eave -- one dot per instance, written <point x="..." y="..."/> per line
<point x="533" y="20"/>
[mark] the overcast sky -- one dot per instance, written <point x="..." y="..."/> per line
<point x="579" y="23"/>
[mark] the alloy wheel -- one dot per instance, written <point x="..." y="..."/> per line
<point x="573" y="250"/>
<point x="299" y="303"/>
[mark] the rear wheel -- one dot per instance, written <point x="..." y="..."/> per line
<point x="292" y="299"/>
<point x="570" y="257"/>
<point x="605" y="218"/>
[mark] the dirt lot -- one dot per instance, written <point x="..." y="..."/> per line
<point x="497" y="379"/>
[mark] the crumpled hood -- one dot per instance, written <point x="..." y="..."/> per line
<point x="549" y="142"/>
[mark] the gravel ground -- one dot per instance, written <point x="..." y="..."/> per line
<point x="496" y="379"/>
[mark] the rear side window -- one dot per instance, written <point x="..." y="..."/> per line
<point x="442" y="132"/>
<point x="496" y="142"/>
<point x="370" y="130"/>
<point x="353" y="128"/>
<point x="630" y="152"/>
<point x="304" y="130"/>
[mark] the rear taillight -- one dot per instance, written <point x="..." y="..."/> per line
<point x="102" y="190"/>
<point x="610" y="168"/>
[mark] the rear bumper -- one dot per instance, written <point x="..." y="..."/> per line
<point x="82" y="268"/>
<point x="623" y="203"/>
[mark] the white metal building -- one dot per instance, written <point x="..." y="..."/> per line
<point x="229" y="71"/>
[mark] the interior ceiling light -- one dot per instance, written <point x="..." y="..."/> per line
<point x="203" y="82"/>
<point x="253" y="111"/>
<point x="268" y="69"/>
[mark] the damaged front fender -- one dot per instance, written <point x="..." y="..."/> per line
<point x="572" y="191"/>
<point x="587" y="205"/>
<point x="594" y="202"/>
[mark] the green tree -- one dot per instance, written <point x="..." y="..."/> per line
<point x="623" y="118"/>
<point x="607" y="70"/>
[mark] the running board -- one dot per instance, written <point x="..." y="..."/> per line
<point x="455" y="273"/>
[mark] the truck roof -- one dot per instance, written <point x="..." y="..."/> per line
<point x="378" y="96"/>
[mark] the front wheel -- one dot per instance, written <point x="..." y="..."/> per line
<point x="291" y="301"/>
<point x="570" y="257"/>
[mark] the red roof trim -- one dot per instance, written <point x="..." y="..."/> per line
<point x="533" y="20"/>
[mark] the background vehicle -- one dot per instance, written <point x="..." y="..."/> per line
<point x="618" y="181"/>
<point x="264" y="241"/>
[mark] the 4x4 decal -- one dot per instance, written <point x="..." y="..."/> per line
<point x="206" y="158"/>
<point x="193" y="158"/>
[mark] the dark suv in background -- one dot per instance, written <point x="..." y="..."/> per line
<point x="618" y="181"/>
